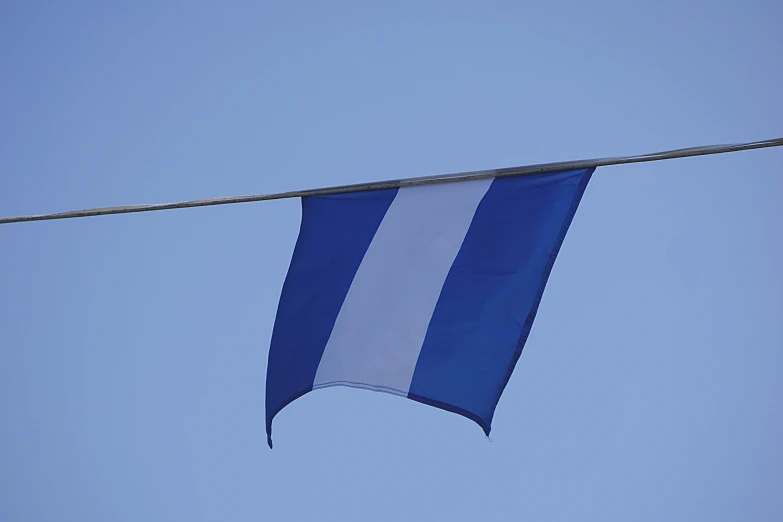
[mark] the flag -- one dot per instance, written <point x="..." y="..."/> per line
<point x="428" y="292"/>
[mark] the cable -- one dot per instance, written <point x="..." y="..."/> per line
<point x="409" y="182"/>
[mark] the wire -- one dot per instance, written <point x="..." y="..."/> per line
<point x="409" y="182"/>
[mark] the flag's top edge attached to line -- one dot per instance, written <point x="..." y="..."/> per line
<point x="409" y="182"/>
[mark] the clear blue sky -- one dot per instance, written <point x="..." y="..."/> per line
<point x="133" y="348"/>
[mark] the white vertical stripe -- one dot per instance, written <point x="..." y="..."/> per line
<point x="380" y="329"/>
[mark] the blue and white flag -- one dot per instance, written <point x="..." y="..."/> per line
<point x="426" y="292"/>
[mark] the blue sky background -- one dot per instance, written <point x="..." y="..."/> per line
<point x="133" y="348"/>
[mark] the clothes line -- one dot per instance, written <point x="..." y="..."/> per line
<point x="407" y="182"/>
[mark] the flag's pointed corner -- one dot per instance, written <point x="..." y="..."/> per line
<point x="484" y="424"/>
<point x="269" y="433"/>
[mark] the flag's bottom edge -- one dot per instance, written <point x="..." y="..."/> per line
<point x="485" y="426"/>
<point x="362" y="386"/>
